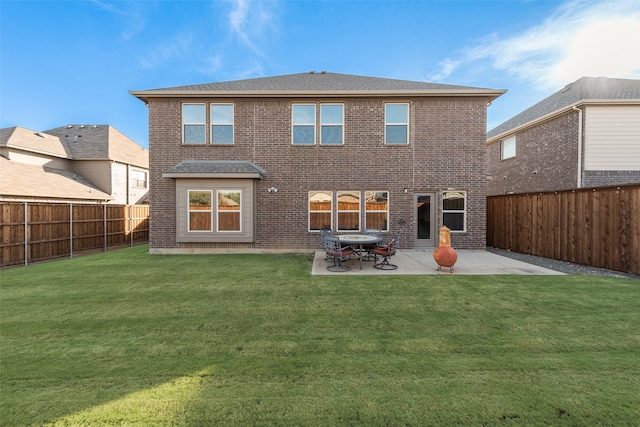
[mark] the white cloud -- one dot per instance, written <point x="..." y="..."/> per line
<point x="134" y="20"/>
<point x="253" y="22"/>
<point x="168" y="51"/>
<point x="581" y="38"/>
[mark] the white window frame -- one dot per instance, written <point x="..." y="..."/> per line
<point x="189" y="191"/>
<point x="312" y="123"/>
<point x="186" y="123"/>
<point x="218" y="211"/>
<point x="329" y="211"/>
<point x="367" y="194"/>
<point x="218" y="123"/>
<point x="137" y="181"/>
<point x="508" y="147"/>
<point x="347" y="211"/>
<point x="456" y="211"/>
<point x="324" y="124"/>
<point x="388" y="123"/>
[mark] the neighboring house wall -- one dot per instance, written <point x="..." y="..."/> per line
<point x="98" y="172"/>
<point x="611" y="145"/>
<point x="546" y="158"/>
<point x="585" y="135"/>
<point x="446" y="151"/>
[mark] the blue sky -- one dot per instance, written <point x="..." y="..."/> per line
<point x="75" y="61"/>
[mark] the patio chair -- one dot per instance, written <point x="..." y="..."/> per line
<point x="324" y="233"/>
<point x="386" y="252"/>
<point x="334" y="250"/>
<point x="370" y="248"/>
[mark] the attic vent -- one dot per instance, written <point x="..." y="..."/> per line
<point x="38" y="134"/>
<point x="94" y="126"/>
<point x="312" y="72"/>
<point x="69" y="126"/>
<point x="81" y="126"/>
<point x="323" y="72"/>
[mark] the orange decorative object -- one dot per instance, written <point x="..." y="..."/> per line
<point x="444" y="254"/>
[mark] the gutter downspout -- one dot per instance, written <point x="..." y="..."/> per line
<point x="579" y="182"/>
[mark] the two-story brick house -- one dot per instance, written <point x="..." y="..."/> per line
<point x="265" y="163"/>
<point x="585" y="135"/>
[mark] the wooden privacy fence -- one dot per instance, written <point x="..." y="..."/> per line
<point x="41" y="231"/>
<point x="599" y="227"/>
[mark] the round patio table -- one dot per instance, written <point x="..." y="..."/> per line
<point x="359" y="239"/>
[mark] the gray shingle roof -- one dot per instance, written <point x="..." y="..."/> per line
<point x="214" y="167"/>
<point x="100" y="142"/>
<point x="318" y="84"/>
<point x="582" y="90"/>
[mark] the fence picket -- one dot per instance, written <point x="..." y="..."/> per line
<point x="597" y="227"/>
<point x="40" y="231"/>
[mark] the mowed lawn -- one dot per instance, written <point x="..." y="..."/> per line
<point x="128" y="338"/>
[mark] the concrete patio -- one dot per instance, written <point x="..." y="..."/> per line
<point x="420" y="261"/>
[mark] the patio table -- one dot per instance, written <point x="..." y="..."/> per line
<point x="359" y="239"/>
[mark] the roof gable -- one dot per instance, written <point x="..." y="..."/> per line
<point x="581" y="91"/>
<point x="318" y="84"/>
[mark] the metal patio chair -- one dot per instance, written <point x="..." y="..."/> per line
<point x="335" y="251"/>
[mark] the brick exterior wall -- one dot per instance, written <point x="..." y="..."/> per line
<point x="608" y="178"/>
<point x="546" y="159"/>
<point x="447" y="150"/>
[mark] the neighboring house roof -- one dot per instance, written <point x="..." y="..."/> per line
<point x="215" y="169"/>
<point x="583" y="90"/>
<point x="37" y="142"/>
<point x="318" y="84"/>
<point x="101" y="142"/>
<point x="23" y="180"/>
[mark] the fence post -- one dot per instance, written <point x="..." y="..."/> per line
<point x="105" y="227"/>
<point x="70" y="230"/>
<point x="26" y="233"/>
<point x="131" y="224"/>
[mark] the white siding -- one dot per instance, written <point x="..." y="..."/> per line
<point x="612" y="138"/>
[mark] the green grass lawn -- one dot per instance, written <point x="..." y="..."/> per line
<point x="128" y="338"/>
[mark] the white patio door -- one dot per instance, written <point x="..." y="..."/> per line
<point x="424" y="223"/>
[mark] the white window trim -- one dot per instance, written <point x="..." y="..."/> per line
<point x="464" y="211"/>
<point x="218" y="211"/>
<point x="313" y="123"/>
<point x="204" y="124"/>
<point x="511" y="141"/>
<point x="386" y="123"/>
<point x="189" y="230"/>
<point x="376" y="211"/>
<point x="330" y="211"/>
<point x="339" y="211"/>
<point x="341" y="124"/>
<point x="135" y="180"/>
<point x="232" y="124"/>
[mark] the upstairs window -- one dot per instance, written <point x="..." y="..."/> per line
<point x="396" y="118"/>
<point x="139" y="178"/>
<point x="454" y="210"/>
<point x="508" y="148"/>
<point x="193" y="123"/>
<point x="304" y="124"/>
<point x="222" y="123"/>
<point x="331" y="124"/>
